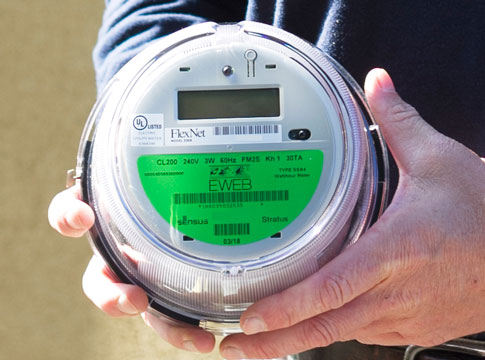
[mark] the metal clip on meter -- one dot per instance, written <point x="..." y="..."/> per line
<point x="226" y="163"/>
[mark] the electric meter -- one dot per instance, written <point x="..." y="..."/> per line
<point x="226" y="163"/>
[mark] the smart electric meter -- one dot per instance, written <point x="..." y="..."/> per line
<point x="226" y="163"/>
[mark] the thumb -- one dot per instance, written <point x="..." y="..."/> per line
<point x="406" y="133"/>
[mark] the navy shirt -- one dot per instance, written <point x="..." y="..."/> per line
<point x="433" y="49"/>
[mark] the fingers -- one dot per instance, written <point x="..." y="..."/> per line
<point x="113" y="298"/>
<point x="116" y="299"/>
<point x="69" y="215"/>
<point x="321" y="330"/>
<point x="351" y="274"/>
<point x="373" y="317"/>
<point x="405" y="132"/>
<point x="185" y="338"/>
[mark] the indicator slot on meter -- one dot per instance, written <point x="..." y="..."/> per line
<point x="299" y="134"/>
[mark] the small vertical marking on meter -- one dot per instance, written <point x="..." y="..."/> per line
<point x="251" y="56"/>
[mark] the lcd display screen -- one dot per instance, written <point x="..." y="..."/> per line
<point x="227" y="104"/>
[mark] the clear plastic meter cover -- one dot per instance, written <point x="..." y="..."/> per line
<point x="226" y="163"/>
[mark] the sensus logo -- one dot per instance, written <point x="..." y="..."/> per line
<point x="187" y="133"/>
<point x="186" y="221"/>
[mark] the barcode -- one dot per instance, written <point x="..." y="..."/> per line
<point x="230" y="197"/>
<point x="231" y="229"/>
<point x="246" y="130"/>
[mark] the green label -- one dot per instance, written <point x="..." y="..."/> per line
<point x="231" y="198"/>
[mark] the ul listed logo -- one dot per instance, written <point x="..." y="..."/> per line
<point x="140" y="122"/>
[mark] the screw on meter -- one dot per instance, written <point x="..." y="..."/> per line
<point x="228" y="70"/>
<point x="226" y="163"/>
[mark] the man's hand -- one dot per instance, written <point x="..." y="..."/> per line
<point x="72" y="217"/>
<point x="417" y="276"/>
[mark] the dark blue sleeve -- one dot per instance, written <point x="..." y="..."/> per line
<point x="130" y="25"/>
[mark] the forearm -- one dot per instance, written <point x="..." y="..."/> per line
<point x="129" y="26"/>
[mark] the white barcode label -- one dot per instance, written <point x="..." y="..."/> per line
<point x="224" y="134"/>
<point x="246" y="130"/>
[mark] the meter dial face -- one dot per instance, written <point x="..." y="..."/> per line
<point x="229" y="167"/>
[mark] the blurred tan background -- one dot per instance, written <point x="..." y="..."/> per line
<point x="47" y="90"/>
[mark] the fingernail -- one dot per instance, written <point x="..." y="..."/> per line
<point x="253" y="325"/>
<point x="125" y="306"/>
<point x="189" y="346"/>
<point x="232" y="352"/>
<point x="385" y="81"/>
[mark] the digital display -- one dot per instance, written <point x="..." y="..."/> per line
<point x="227" y="104"/>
